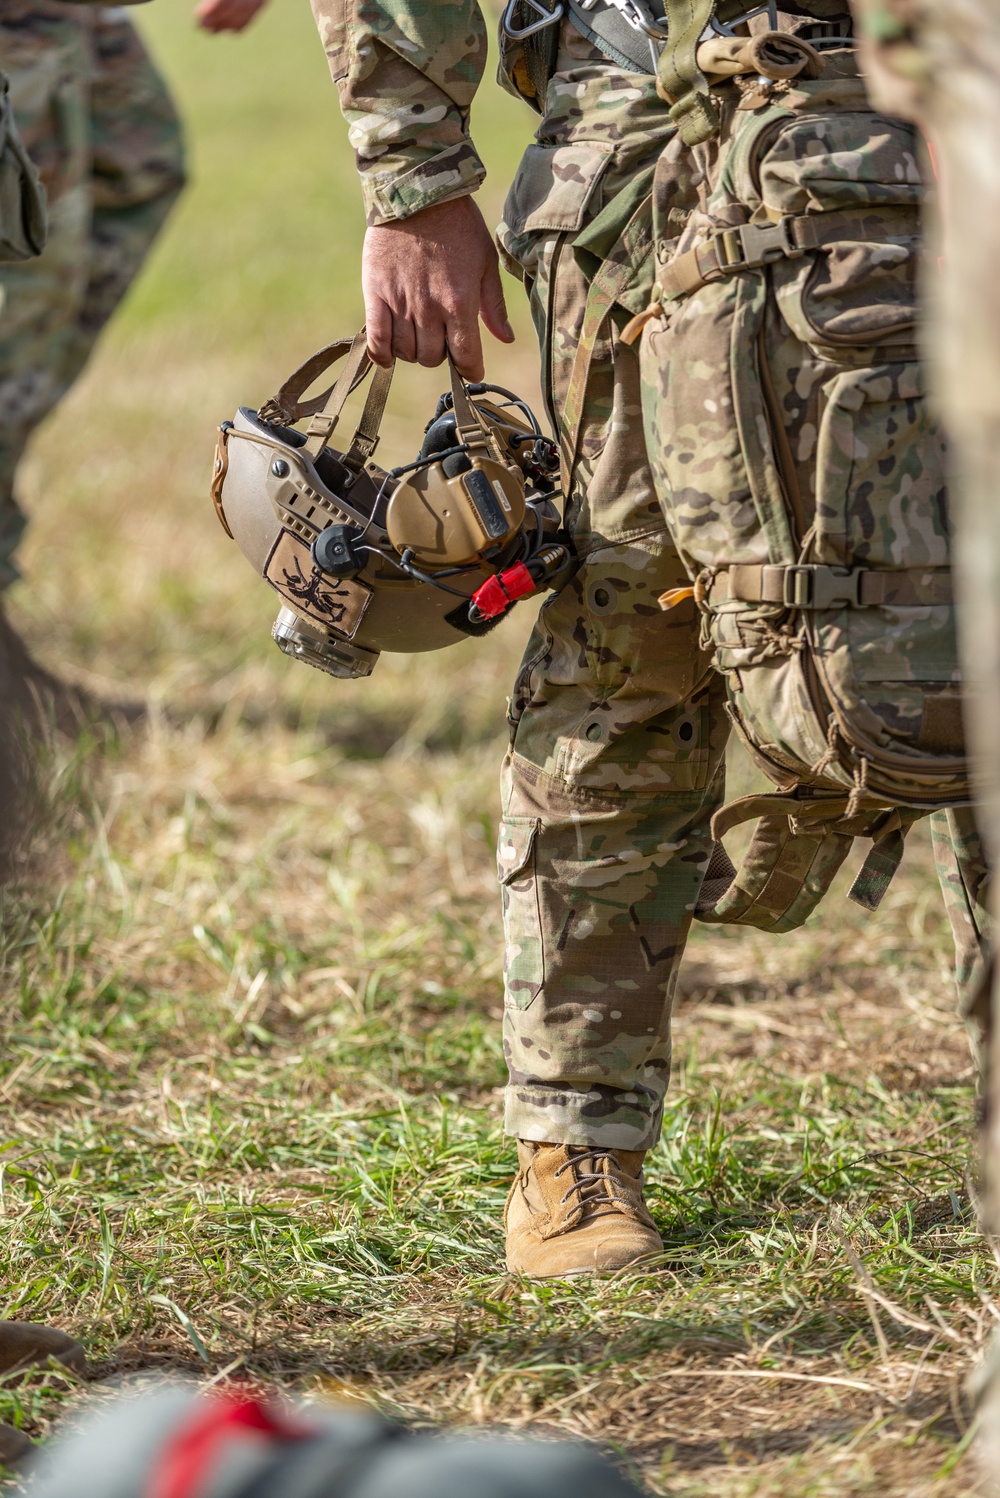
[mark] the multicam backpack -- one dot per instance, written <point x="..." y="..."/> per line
<point x="803" y="471"/>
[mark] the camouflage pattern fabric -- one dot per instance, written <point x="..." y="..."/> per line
<point x="98" y="122"/>
<point x="617" y="724"/>
<point x="23" y="219"/>
<point x="788" y="428"/>
<point x="963" y="872"/>
<point x="406" y="76"/>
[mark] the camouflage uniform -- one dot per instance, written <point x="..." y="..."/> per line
<point x="617" y="721"/>
<point x="98" y="122"/>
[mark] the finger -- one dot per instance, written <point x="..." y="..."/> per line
<point x="466" y="347"/>
<point x="215" y="18"/>
<point x="492" y="307"/>
<point x="378" y="325"/>
<point x="212" y="14"/>
<point x="430" y="341"/>
<point x="404" y="338"/>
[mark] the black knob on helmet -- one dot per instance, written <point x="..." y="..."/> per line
<point x="334" y="551"/>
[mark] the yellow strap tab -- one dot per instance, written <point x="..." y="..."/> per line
<point x="673" y="596"/>
<point x="633" y="328"/>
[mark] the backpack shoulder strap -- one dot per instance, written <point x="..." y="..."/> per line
<point x="679" y="78"/>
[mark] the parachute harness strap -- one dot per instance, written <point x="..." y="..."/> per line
<point x="679" y="78"/>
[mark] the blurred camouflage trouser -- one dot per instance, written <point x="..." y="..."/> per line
<point x="98" y="121"/>
<point x="964" y="876"/>
<point x="615" y="769"/>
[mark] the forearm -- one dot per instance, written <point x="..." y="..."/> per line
<point x="407" y="71"/>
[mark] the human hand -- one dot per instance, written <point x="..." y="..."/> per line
<point x="226" y="15"/>
<point x="427" y="280"/>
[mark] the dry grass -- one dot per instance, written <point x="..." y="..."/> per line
<point x="251" y="977"/>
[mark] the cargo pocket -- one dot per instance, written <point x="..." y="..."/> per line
<point x="862" y="288"/>
<point x="550" y="194"/>
<point x="524" y="961"/>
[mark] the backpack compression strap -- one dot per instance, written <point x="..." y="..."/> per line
<point x="796" y="850"/>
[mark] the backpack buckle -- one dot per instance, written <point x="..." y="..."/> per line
<point x="748" y="246"/>
<point x="810" y="585"/>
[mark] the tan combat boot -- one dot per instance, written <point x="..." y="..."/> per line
<point x="575" y="1209"/>
<point x="23" y="1343"/>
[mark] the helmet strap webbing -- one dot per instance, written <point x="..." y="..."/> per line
<point x="288" y="406"/>
<point x="323" y="424"/>
<point x="365" y="439"/>
<point x="470" y="428"/>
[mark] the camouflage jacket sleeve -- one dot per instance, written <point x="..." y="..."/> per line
<point x="407" y="71"/>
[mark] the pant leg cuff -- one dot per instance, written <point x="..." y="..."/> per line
<point x="578" y="1116"/>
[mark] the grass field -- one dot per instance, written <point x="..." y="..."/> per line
<point x="251" y="977"/>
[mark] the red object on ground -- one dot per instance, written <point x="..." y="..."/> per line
<point x="190" y="1456"/>
<point x="504" y="588"/>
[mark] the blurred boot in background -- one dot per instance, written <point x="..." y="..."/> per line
<point x="22" y="1345"/>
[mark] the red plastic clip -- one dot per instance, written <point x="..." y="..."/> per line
<point x="518" y="581"/>
<point x="498" y="592"/>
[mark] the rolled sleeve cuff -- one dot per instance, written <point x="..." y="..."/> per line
<point x="452" y="173"/>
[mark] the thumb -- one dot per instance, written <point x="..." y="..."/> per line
<point x="492" y="307"/>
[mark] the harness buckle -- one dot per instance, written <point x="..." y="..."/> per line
<point x="748" y="246"/>
<point x="811" y="585"/>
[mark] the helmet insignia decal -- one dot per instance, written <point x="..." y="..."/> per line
<point x="332" y="601"/>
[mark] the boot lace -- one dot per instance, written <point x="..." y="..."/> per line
<point x="595" y="1188"/>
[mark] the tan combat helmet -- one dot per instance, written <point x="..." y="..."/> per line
<point x="410" y="559"/>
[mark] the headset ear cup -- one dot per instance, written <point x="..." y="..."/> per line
<point x="439" y="436"/>
<point x="455" y="464"/>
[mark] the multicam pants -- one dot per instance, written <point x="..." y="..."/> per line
<point x="617" y="721"/>
<point x="617" y="737"/>
<point x="98" y="121"/>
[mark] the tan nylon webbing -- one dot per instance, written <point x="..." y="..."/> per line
<point x="321" y="427"/>
<point x="365" y="438"/>
<point x="710" y="260"/>
<point x="912" y="587"/>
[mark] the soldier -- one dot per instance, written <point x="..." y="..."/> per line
<point x="97" y="118"/>
<point x="941" y="68"/>
<point x="22" y="235"/>
<point x="99" y="122"/>
<point x="617" y="732"/>
<point x="617" y="723"/>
